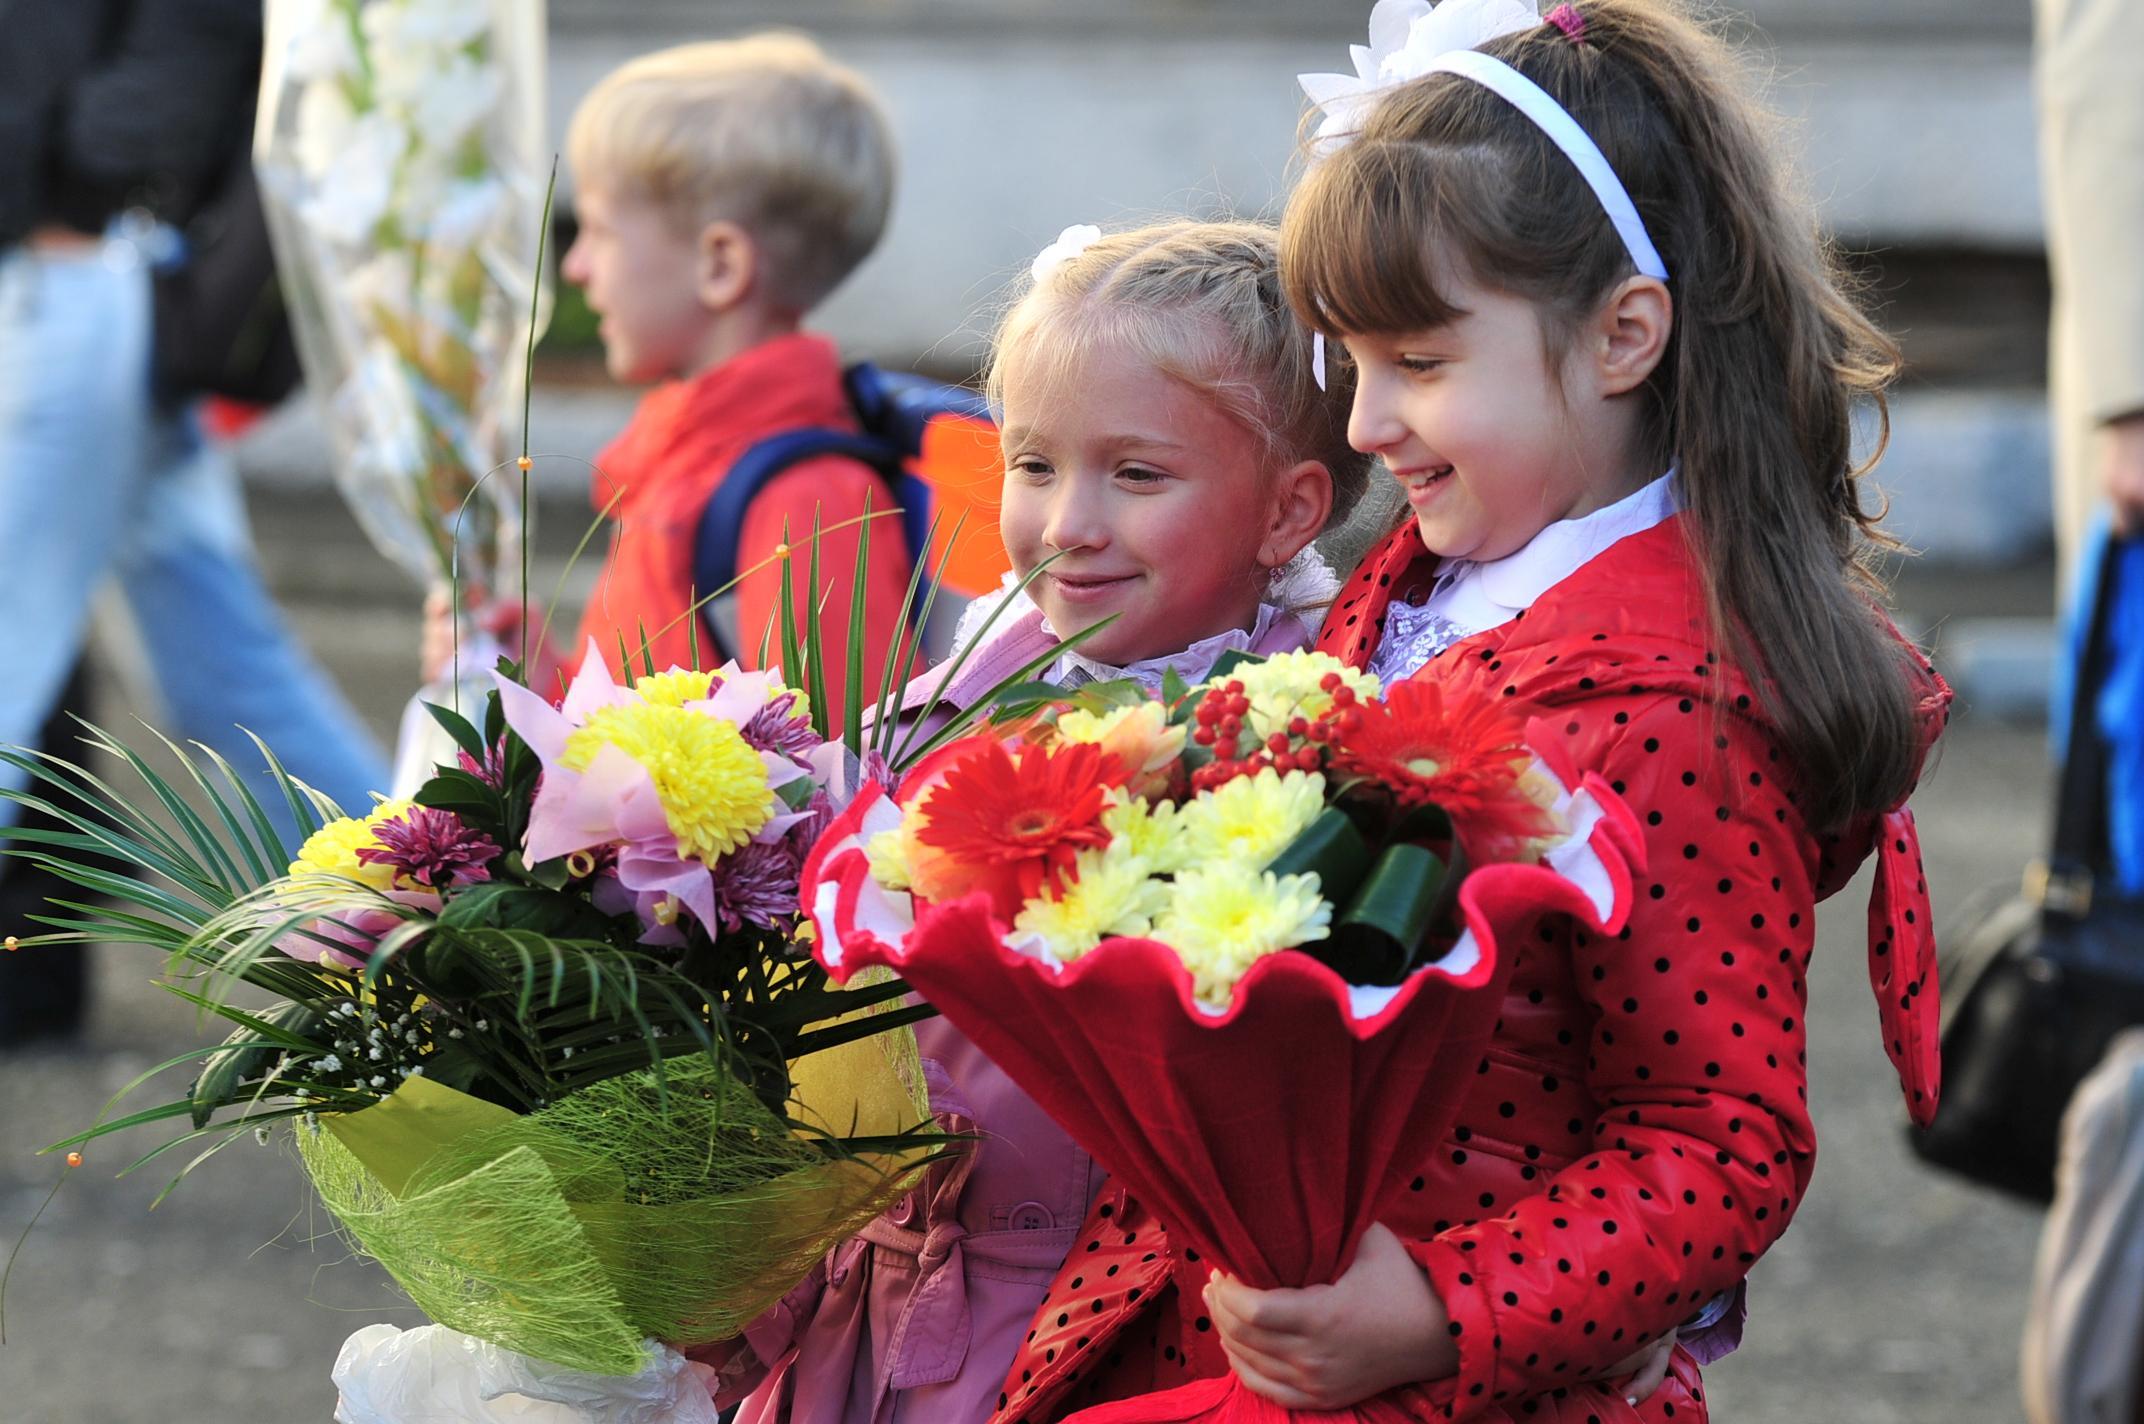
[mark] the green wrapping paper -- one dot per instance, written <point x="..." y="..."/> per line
<point x="578" y="1232"/>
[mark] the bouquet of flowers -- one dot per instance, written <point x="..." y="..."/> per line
<point x="554" y="1054"/>
<point x="400" y="150"/>
<point x="1246" y="942"/>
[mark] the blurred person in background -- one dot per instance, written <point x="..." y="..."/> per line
<point x="120" y="122"/>
<point x="2090" y="82"/>
<point x="2083" y="1354"/>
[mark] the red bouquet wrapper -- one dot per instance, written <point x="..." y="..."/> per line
<point x="1267" y="1136"/>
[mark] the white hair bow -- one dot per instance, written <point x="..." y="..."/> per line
<point x="1406" y="39"/>
<point x="1069" y="244"/>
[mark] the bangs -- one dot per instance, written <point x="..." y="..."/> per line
<point x="1366" y="233"/>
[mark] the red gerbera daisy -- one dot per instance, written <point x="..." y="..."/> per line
<point x="1467" y="761"/>
<point x="1018" y="823"/>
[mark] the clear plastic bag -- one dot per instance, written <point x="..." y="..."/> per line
<point x="401" y="154"/>
<point x="434" y="1375"/>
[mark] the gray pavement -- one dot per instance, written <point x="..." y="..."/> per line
<point x="1897" y="1296"/>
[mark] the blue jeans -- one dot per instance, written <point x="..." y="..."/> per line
<point x="97" y="481"/>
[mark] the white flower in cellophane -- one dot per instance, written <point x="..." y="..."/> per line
<point x="325" y="123"/>
<point x="351" y="197"/>
<point x="460" y="96"/>
<point x="384" y="284"/>
<point x="1406" y="37"/>
<point x="377" y="400"/>
<point x="407" y="26"/>
<point x="467" y="210"/>
<point x="321" y="45"/>
<point x="422" y="183"/>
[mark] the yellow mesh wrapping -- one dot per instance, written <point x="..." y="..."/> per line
<point x="576" y="1233"/>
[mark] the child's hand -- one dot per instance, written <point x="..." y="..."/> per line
<point x="1646" y="1367"/>
<point x="1327" y="1347"/>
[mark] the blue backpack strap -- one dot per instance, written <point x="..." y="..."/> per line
<point x="897" y="406"/>
<point x="714" y="548"/>
<point x="893" y="408"/>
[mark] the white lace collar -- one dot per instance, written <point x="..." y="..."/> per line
<point x="1304" y="587"/>
<point x="1193" y="663"/>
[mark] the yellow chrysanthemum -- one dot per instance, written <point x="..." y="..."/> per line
<point x="1149" y="830"/>
<point x="1251" y="819"/>
<point x="1224" y="918"/>
<point x="674" y="688"/>
<point x="887" y="855"/>
<point x="712" y="785"/>
<point x="1286" y="685"/>
<point x="1113" y="893"/>
<point x="332" y="850"/>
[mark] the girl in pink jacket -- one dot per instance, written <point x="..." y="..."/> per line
<point x="1166" y="441"/>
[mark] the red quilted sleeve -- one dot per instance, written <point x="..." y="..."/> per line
<point x="1702" y="1146"/>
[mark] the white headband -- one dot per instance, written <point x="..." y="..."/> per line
<point x="1412" y="38"/>
<point x="1577" y="145"/>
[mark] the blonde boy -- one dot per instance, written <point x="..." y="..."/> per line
<point x="724" y="190"/>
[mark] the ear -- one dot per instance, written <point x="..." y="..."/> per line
<point x="728" y="265"/>
<point x="1629" y="334"/>
<point x="1302" y="498"/>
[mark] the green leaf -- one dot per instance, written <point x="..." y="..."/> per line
<point x="457" y="726"/>
<point x="551" y="874"/>
<point x="265" y="830"/>
<point x="822" y="716"/>
<point x="503" y="905"/>
<point x="243" y="1055"/>
<point x="904" y="659"/>
<point x="1379" y="937"/>
<point x="1173" y="687"/>
<point x="234" y="828"/>
<point x="311" y="810"/>
<point x="852" y="708"/>
<point x="1331" y="848"/>
<point x="459" y="791"/>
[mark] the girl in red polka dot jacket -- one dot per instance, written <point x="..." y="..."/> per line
<point x="1606" y="356"/>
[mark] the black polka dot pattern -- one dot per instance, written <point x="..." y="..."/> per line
<point x="1638" y="1133"/>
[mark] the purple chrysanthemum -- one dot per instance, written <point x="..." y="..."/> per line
<point x="775" y="728"/>
<point x="491" y="770"/>
<point x="433" y="848"/>
<point x="757" y="885"/>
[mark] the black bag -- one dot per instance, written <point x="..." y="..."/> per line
<point x="2034" y="990"/>
<point x="220" y="327"/>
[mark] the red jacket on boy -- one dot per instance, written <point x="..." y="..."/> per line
<point x="1640" y="1132"/>
<point x="658" y="475"/>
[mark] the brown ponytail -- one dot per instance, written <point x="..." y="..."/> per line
<point x="1755" y="394"/>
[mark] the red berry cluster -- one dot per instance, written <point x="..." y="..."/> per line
<point x="1219" y="716"/>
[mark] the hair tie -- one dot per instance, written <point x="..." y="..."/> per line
<point x="1566" y="18"/>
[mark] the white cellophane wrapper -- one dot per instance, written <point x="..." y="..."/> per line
<point x="434" y="1375"/>
<point x="402" y="161"/>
